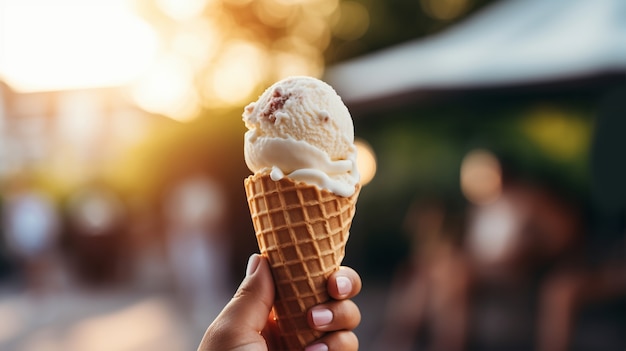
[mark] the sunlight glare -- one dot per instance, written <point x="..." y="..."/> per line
<point x="182" y="10"/>
<point x="292" y="55"/>
<point x="168" y="89"/>
<point x="290" y="64"/>
<point x="238" y="2"/>
<point x="198" y="42"/>
<point x="72" y="44"/>
<point x="320" y="7"/>
<point x="274" y="13"/>
<point x="238" y="71"/>
<point x="313" y="30"/>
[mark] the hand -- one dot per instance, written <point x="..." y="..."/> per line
<point x="245" y="324"/>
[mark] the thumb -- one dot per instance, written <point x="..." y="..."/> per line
<point x="246" y="314"/>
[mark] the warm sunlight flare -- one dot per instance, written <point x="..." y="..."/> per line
<point x="167" y="89"/>
<point x="239" y="69"/>
<point x="72" y="44"/>
<point x="177" y="59"/>
<point x="366" y="161"/>
<point x="181" y="10"/>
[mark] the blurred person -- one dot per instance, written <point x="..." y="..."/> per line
<point x="427" y="306"/>
<point x="31" y="230"/>
<point x="570" y="293"/>
<point x="462" y="285"/>
<point x="526" y="228"/>
<point x="246" y="323"/>
<point x="196" y="247"/>
<point x="97" y="239"/>
<point x="516" y="238"/>
<point x="567" y="292"/>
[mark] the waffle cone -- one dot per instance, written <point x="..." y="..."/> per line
<point x="303" y="231"/>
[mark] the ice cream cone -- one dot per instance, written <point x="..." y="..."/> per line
<point x="303" y="231"/>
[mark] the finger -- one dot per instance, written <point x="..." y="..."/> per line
<point x="254" y="298"/>
<point x="344" y="283"/>
<point x="334" y="315"/>
<point x="245" y="315"/>
<point x="337" y="341"/>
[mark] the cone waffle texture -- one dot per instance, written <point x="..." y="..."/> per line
<point x="303" y="231"/>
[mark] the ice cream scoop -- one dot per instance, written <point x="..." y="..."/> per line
<point x="301" y="129"/>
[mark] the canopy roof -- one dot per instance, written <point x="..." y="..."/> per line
<point x="510" y="43"/>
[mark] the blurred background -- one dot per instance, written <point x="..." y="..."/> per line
<point x="491" y="137"/>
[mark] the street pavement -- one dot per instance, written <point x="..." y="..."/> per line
<point x="120" y="319"/>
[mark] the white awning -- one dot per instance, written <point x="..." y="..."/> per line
<point x="512" y="42"/>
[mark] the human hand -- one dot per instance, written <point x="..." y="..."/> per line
<point x="246" y="323"/>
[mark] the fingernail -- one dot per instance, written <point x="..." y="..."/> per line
<point x="253" y="264"/>
<point x="321" y="316"/>
<point x="344" y="285"/>
<point x="317" y="347"/>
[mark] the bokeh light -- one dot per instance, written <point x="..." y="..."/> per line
<point x="366" y="161"/>
<point x="197" y="41"/>
<point x="313" y="30"/>
<point x="481" y="177"/>
<point x="238" y="71"/>
<point x="445" y="9"/>
<point x="233" y="49"/>
<point x="275" y="13"/>
<point x="559" y="134"/>
<point x="352" y="21"/>
<point x="177" y="58"/>
<point x="181" y="10"/>
<point x="167" y="89"/>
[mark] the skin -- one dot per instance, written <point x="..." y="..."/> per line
<point x="246" y="323"/>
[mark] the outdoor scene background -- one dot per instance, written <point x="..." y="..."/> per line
<point x="494" y="220"/>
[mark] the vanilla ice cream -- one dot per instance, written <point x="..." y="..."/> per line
<point x="301" y="129"/>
